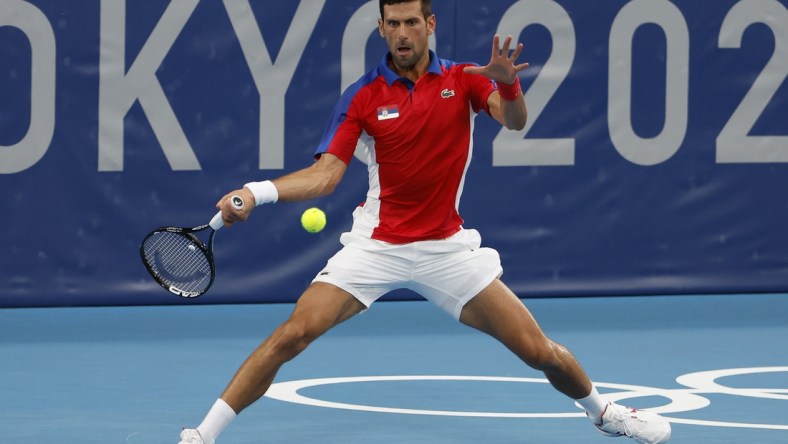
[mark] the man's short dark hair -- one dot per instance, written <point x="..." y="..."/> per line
<point x="426" y="6"/>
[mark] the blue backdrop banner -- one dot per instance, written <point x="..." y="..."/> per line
<point x="655" y="160"/>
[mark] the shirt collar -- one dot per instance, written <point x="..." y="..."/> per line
<point x="391" y="76"/>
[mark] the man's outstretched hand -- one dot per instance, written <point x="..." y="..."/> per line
<point x="502" y="68"/>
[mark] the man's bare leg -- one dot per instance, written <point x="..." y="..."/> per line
<point x="321" y="307"/>
<point x="498" y="312"/>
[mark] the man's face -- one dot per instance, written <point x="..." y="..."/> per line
<point x="407" y="34"/>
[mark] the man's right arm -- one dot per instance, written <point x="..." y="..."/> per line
<point x="317" y="180"/>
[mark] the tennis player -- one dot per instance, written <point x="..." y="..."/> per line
<point x="415" y="113"/>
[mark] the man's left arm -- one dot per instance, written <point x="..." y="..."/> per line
<point x="506" y="104"/>
<point x="511" y="113"/>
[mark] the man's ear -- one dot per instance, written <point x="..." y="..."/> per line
<point x="380" y="28"/>
<point x="431" y="25"/>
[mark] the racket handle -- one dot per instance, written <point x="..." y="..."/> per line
<point x="236" y="201"/>
<point x="217" y="221"/>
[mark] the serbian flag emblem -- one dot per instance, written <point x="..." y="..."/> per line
<point x="388" y="112"/>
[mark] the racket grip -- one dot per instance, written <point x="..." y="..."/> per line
<point x="236" y="201"/>
<point x="217" y="221"/>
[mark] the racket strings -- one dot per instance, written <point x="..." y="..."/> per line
<point x="178" y="261"/>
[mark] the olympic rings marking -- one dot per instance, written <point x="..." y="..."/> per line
<point x="705" y="381"/>
<point x="681" y="400"/>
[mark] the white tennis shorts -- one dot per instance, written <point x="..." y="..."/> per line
<point x="448" y="272"/>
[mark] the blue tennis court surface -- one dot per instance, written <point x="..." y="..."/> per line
<point x="403" y="372"/>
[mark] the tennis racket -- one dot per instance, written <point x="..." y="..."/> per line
<point x="179" y="261"/>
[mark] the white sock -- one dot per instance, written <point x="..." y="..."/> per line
<point x="217" y="419"/>
<point x="594" y="405"/>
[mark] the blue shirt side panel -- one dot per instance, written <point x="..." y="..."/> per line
<point x="340" y="109"/>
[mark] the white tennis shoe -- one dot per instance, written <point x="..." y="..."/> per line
<point x="191" y="436"/>
<point x="643" y="427"/>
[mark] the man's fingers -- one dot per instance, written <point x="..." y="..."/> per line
<point x="495" y="50"/>
<point x="498" y="69"/>
<point x="517" y="52"/>
<point x="230" y="214"/>
<point x="506" y="42"/>
<point x="221" y="202"/>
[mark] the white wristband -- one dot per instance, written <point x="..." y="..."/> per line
<point x="264" y="192"/>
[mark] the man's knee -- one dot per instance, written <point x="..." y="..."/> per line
<point x="545" y="354"/>
<point x="293" y="337"/>
<point x="540" y="353"/>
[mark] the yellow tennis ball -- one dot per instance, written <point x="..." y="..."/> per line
<point x="313" y="220"/>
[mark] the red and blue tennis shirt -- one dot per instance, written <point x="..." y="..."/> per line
<point x="417" y="143"/>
